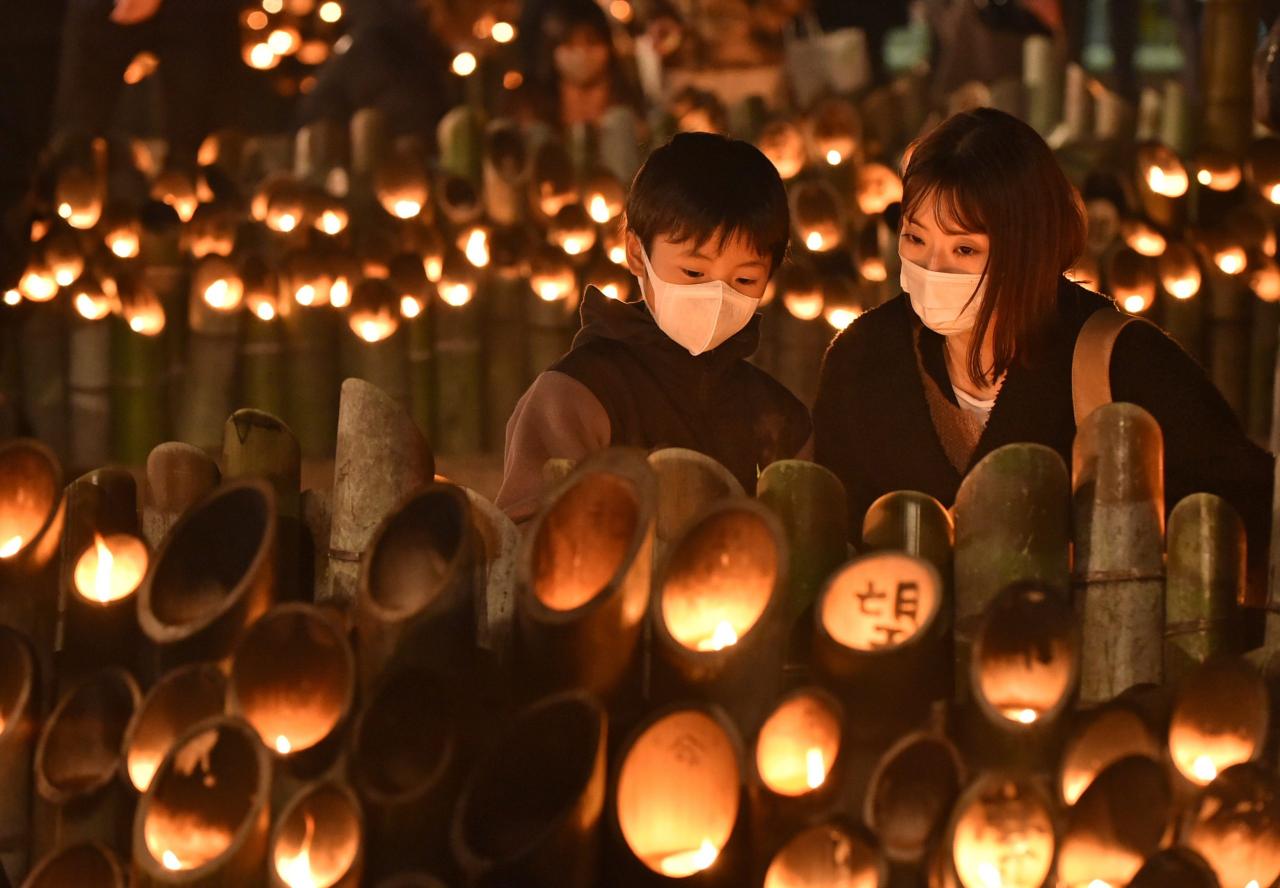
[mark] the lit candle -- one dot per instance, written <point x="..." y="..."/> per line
<point x="685" y="863"/>
<point x="295" y="869"/>
<point x="112" y="568"/>
<point x="11" y="546"/>
<point x="720" y="638"/>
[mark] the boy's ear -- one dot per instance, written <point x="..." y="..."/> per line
<point x="635" y="259"/>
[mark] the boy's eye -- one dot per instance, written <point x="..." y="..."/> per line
<point x="691" y="273"/>
<point x="746" y="282"/>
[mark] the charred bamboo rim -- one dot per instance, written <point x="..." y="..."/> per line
<point x="220" y="547"/>
<point x="292" y="665"/>
<point x="828" y="854"/>
<point x="241" y="766"/>
<point x="999" y="789"/>
<point x="30" y="495"/>
<point x="1002" y="633"/>
<point x="181" y="698"/>
<point x="529" y="787"/>
<point x="194" y="472"/>
<point x="1100" y="737"/>
<point x="17" y="680"/>
<point x="679" y="736"/>
<point x="88" y="865"/>
<point x="1176" y="867"/>
<point x="754" y="536"/>
<point x="78" y="752"/>
<point x="324" y="819"/>
<point x="1221" y="717"/>
<point x="818" y="718"/>
<point x="421" y="548"/>
<point x="403" y="746"/>
<point x="615" y="488"/>
<point x="1235" y="822"/>
<point x="828" y="609"/>
<point x="895" y="504"/>
<point x="904" y="762"/>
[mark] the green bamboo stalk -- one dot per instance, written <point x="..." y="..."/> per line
<point x="1118" y="487"/>
<point x="460" y="137"/>
<point x="138" y="414"/>
<point x="459" y="377"/>
<point x="1229" y="34"/>
<point x="422" y="371"/>
<point x="552" y="326"/>
<point x="1042" y="80"/>
<point x="508" y="368"/>
<point x="1264" y="334"/>
<point x="178" y="476"/>
<point x="44" y="374"/>
<point x="89" y="393"/>
<point x="262" y="365"/>
<point x="1229" y="337"/>
<point x="1205" y="582"/>
<point x="912" y="522"/>
<point x="311" y="377"/>
<point x="210" y="378"/>
<point x="810" y="502"/>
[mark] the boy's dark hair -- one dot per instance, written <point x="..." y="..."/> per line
<point x="701" y="186"/>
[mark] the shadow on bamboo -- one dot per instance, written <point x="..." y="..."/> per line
<point x="318" y="839"/>
<point x="1175" y="867"/>
<point x="87" y="865"/>
<point x="688" y="482"/>
<point x="178" y="476"/>
<point x="832" y="854"/>
<point x="181" y="698"/>
<point x="1234" y="825"/>
<point x="1098" y="738"/>
<point x="19" y="714"/>
<point x="910" y="795"/>
<point x="1221" y="717"/>
<point x="1001" y="826"/>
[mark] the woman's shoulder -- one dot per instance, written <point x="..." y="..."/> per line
<point x="875" y="331"/>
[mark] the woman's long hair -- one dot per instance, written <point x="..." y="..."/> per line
<point x="988" y="172"/>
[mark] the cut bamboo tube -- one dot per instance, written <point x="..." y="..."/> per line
<point x="262" y="352"/>
<point x="317" y="513"/>
<point x="688" y="482"/>
<point x="1221" y="717"/>
<point x="831" y="853"/>
<point x="1000" y="818"/>
<point x="529" y="813"/>
<point x="718" y="618"/>
<point x="1175" y="867"/>
<point x="911" y="793"/>
<point x="1205" y="581"/>
<point x="311" y="379"/>
<point x="181" y="698"/>
<point x="406" y="762"/>
<point x="1119" y="821"/>
<point x="1229" y="35"/>
<point x="319" y="147"/>
<point x="1235" y="825"/>
<point x="506" y="172"/>
<point x="178" y="476"/>
<point x="1013" y="524"/>
<point x="911" y="522"/>
<point x="1098" y="738"/>
<point x="507" y="371"/>
<point x="204" y="819"/>
<point x="139" y="420"/>
<point x="1263" y="338"/>
<point x="214" y="348"/>
<point x="381" y="457"/>
<point x="88" y="865"/>
<point x="318" y="839"/>
<point x="460" y="137"/>
<point x="80" y="797"/>
<point x="19" y="714"/>
<point x="583" y="576"/>
<point x="1229" y="337"/>
<point x="198" y="598"/>
<point x="459" y="375"/>
<point x="44" y="374"/>
<point x="495" y="606"/>
<point x="89" y="392"/>
<point x="368" y="138"/>
<point x="368" y="351"/>
<point x="1118" y="489"/>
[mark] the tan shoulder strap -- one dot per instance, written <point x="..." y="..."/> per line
<point x="1091" y="362"/>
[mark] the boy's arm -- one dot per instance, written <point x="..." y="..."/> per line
<point x="557" y="417"/>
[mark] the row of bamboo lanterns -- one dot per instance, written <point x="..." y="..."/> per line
<point x="429" y="692"/>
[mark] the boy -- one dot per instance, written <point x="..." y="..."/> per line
<point x="707" y="225"/>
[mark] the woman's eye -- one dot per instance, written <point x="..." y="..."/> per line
<point x="966" y="251"/>
<point x="912" y="238"/>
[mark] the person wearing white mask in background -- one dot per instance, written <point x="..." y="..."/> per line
<point x="990" y="344"/>
<point x="706" y="225"/>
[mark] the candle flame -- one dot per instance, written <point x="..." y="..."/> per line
<point x="171" y="861"/>
<point x="410" y="307"/>
<point x="286" y="222"/>
<point x="814" y="240"/>
<point x="841" y="318"/>
<point x="220" y="295"/>
<point x="1135" y="303"/>
<point x="456" y="295"/>
<point x="574" y="245"/>
<point x="305" y="295"/>
<point x="331" y="11"/>
<point x="295" y="870"/>
<point x="1231" y="260"/>
<point x="618" y="254"/>
<point x="283" y="746"/>
<point x="464" y="64"/>
<point x="125" y="245"/>
<point x="721" y="638"/>
<point x="331" y="222"/>
<point x="1273" y="193"/>
<point x="103" y="575"/>
<point x="610" y="290"/>
<point x="64" y="210"/>
<point x="598" y="208"/>
<point x="38" y="287"/>
<point x="92" y="308"/>
<point x="1253" y="883"/>
<point x="1203" y="769"/>
<point x="265" y="311"/>
<point x="11" y="546"/>
<point x="1022" y="715"/>
<point x="834" y="157"/>
<point x="1183" y="287"/>
<point x="433" y="266"/>
<point x="1169" y="184"/>
<point x="815" y="768"/>
<point x="340" y="293"/>
<point x="477" y="249"/>
<point x="404" y="208"/>
<point x="12" y="297"/>
<point x="550" y="291"/>
<point x="374" y="328"/>
<point x="686" y="863"/>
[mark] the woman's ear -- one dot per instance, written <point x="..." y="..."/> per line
<point x="635" y="257"/>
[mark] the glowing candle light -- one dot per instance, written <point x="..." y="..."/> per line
<point x="477" y="247"/>
<point x="834" y="157"/>
<point x="92" y="306"/>
<point x="38" y="285"/>
<point x="503" y="32"/>
<point x="1231" y="260"/>
<point x="599" y="209"/>
<point x="295" y="869"/>
<point x="686" y="863"/>
<point x="340" y="292"/>
<point x="330" y="11"/>
<point x="814" y="241"/>
<point x="455" y="294"/>
<point x="815" y="768"/>
<point x="410" y="306"/>
<point x="11" y="546"/>
<point x="12" y="297"/>
<point x="283" y="746"/>
<point x="720" y="638"/>
<point x="1022" y="715"/>
<point x="464" y="64"/>
<point x="332" y="221"/>
<point x="171" y="861"/>
<point x="111" y="569"/>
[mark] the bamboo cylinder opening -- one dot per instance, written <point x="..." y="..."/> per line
<point x="292" y="678"/>
<point x="205" y="814"/>
<point x="1235" y="825"/>
<point x="798" y="743"/>
<point x="418" y="551"/>
<point x="317" y="841"/>
<point x="17" y="682"/>
<point x="584" y="541"/>
<point x="1002" y="835"/>
<point x="880" y="602"/>
<point x="1220" y="718"/>
<point x="1175" y="867"/>
<point x="180" y="699"/>
<point x="30" y="493"/>
<point x="18" y="713"/>
<point x="678" y="793"/>
<point x="79" y="750"/>
<point x="85" y="866"/>
<point x="911" y="793"/>
<point x="1026" y="658"/>
<point x="688" y="481"/>
<point x="826" y="856"/>
<point x="400" y="746"/>
<point x="1105" y="736"/>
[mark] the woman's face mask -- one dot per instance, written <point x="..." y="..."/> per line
<point x="943" y="268"/>
<point x="946" y="303"/>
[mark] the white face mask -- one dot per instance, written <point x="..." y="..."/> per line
<point x="945" y="302"/>
<point x="698" y="316"/>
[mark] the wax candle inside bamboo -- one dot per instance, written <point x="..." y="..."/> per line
<point x="798" y="744"/>
<point x="318" y="840"/>
<point x="1219" y="720"/>
<point x="111" y="568"/>
<point x="1002" y="836"/>
<point x="1026" y="657"/>
<point x="825" y="856"/>
<point x="784" y="144"/>
<point x="1109" y="734"/>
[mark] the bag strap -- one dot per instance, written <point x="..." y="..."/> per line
<point x="1091" y="361"/>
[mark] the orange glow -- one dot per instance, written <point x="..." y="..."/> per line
<point x="834" y="157"/>
<point x="92" y="306"/>
<point x="111" y="569"/>
<point x="295" y="869"/>
<point x="11" y="546"/>
<point x="1171" y="182"/>
<point x="223" y="294"/>
<point x="282" y="745"/>
<point x="1231" y="260"/>
<point x="686" y="863"/>
<point x="332" y="221"/>
<point x="477" y="247"/>
<point x="146" y="318"/>
<point x="374" y="326"/>
<point x="464" y="64"/>
<point x="804" y="306"/>
<point x="455" y="294"/>
<point x="720" y="638"/>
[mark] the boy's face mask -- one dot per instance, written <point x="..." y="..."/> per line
<point x="946" y="303"/>
<point x="698" y="316"/>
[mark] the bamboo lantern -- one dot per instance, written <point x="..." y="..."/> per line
<point x="19" y="710"/>
<point x="507" y="306"/>
<point x="1118" y="822"/>
<point x="138" y="417"/>
<point x="32" y="515"/>
<point x="801" y="333"/>
<point x="911" y="793"/>
<point x="1100" y="738"/>
<point x="1228" y="316"/>
<point x="914" y="523"/>
<point x="368" y="140"/>
<point x="529" y="812"/>
<point x="418" y="582"/>
<point x="572" y="230"/>
<point x="79" y="194"/>
<point x="1175" y="867"/>
<point x="604" y="198"/>
<point x="181" y="698"/>
<point x="1142" y="238"/>
<point x="89" y="373"/>
<point x="319" y="148"/>
<point x="1131" y="278"/>
<point x="1262" y="168"/>
<point x="456" y="346"/>
<point x="87" y="865"/>
<point x="80" y="797"/>
<point x="459" y="202"/>
<point x="878" y="187"/>
<point x="496" y="607"/>
<point x="1001" y="834"/>
<point x="552" y="317"/>
<point x="213" y="350"/>
<point x="817" y="216"/>
<point x="614" y="281"/>
<point x="375" y="353"/>
<point x="1181" y="278"/>
<point x="553" y="183"/>
<point x="688" y="482"/>
<point x="42" y="355"/>
<point x="400" y="182"/>
<point x="878" y="636"/>
<point x="1118" y="493"/>
<point x="405" y="763"/>
<point x="677" y="792"/>
<point x="1205" y="580"/>
<point x="178" y="476"/>
<point x="177" y="190"/>
<point x="37" y="283"/>
<point x="718" y="616"/>
<point x="460" y="135"/>
<point x="318" y="839"/>
<point x="828" y="854"/>
<point x="1220" y="718"/>
<point x="1102" y="217"/>
<point x="583" y="575"/>
<point x="835" y="131"/>
<point x="1229" y="34"/>
<point x="330" y="217"/>
<point x="212" y="232"/>
<point x="64" y="255"/>
<point x="381" y="457"/>
<point x="1218" y="170"/>
<point x="810" y="502"/>
<point x="197" y="599"/>
<point x="204" y="819"/>
<point x="783" y="143"/>
<point x="1162" y="183"/>
<point x="1234" y="825"/>
<point x="309" y="332"/>
<point x="100" y="622"/>
<point x="1012" y="516"/>
<point x="1042" y="83"/>
<point x="842" y="302"/>
<point x="505" y="172"/>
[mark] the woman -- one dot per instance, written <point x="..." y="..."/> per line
<point x="978" y="352"/>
